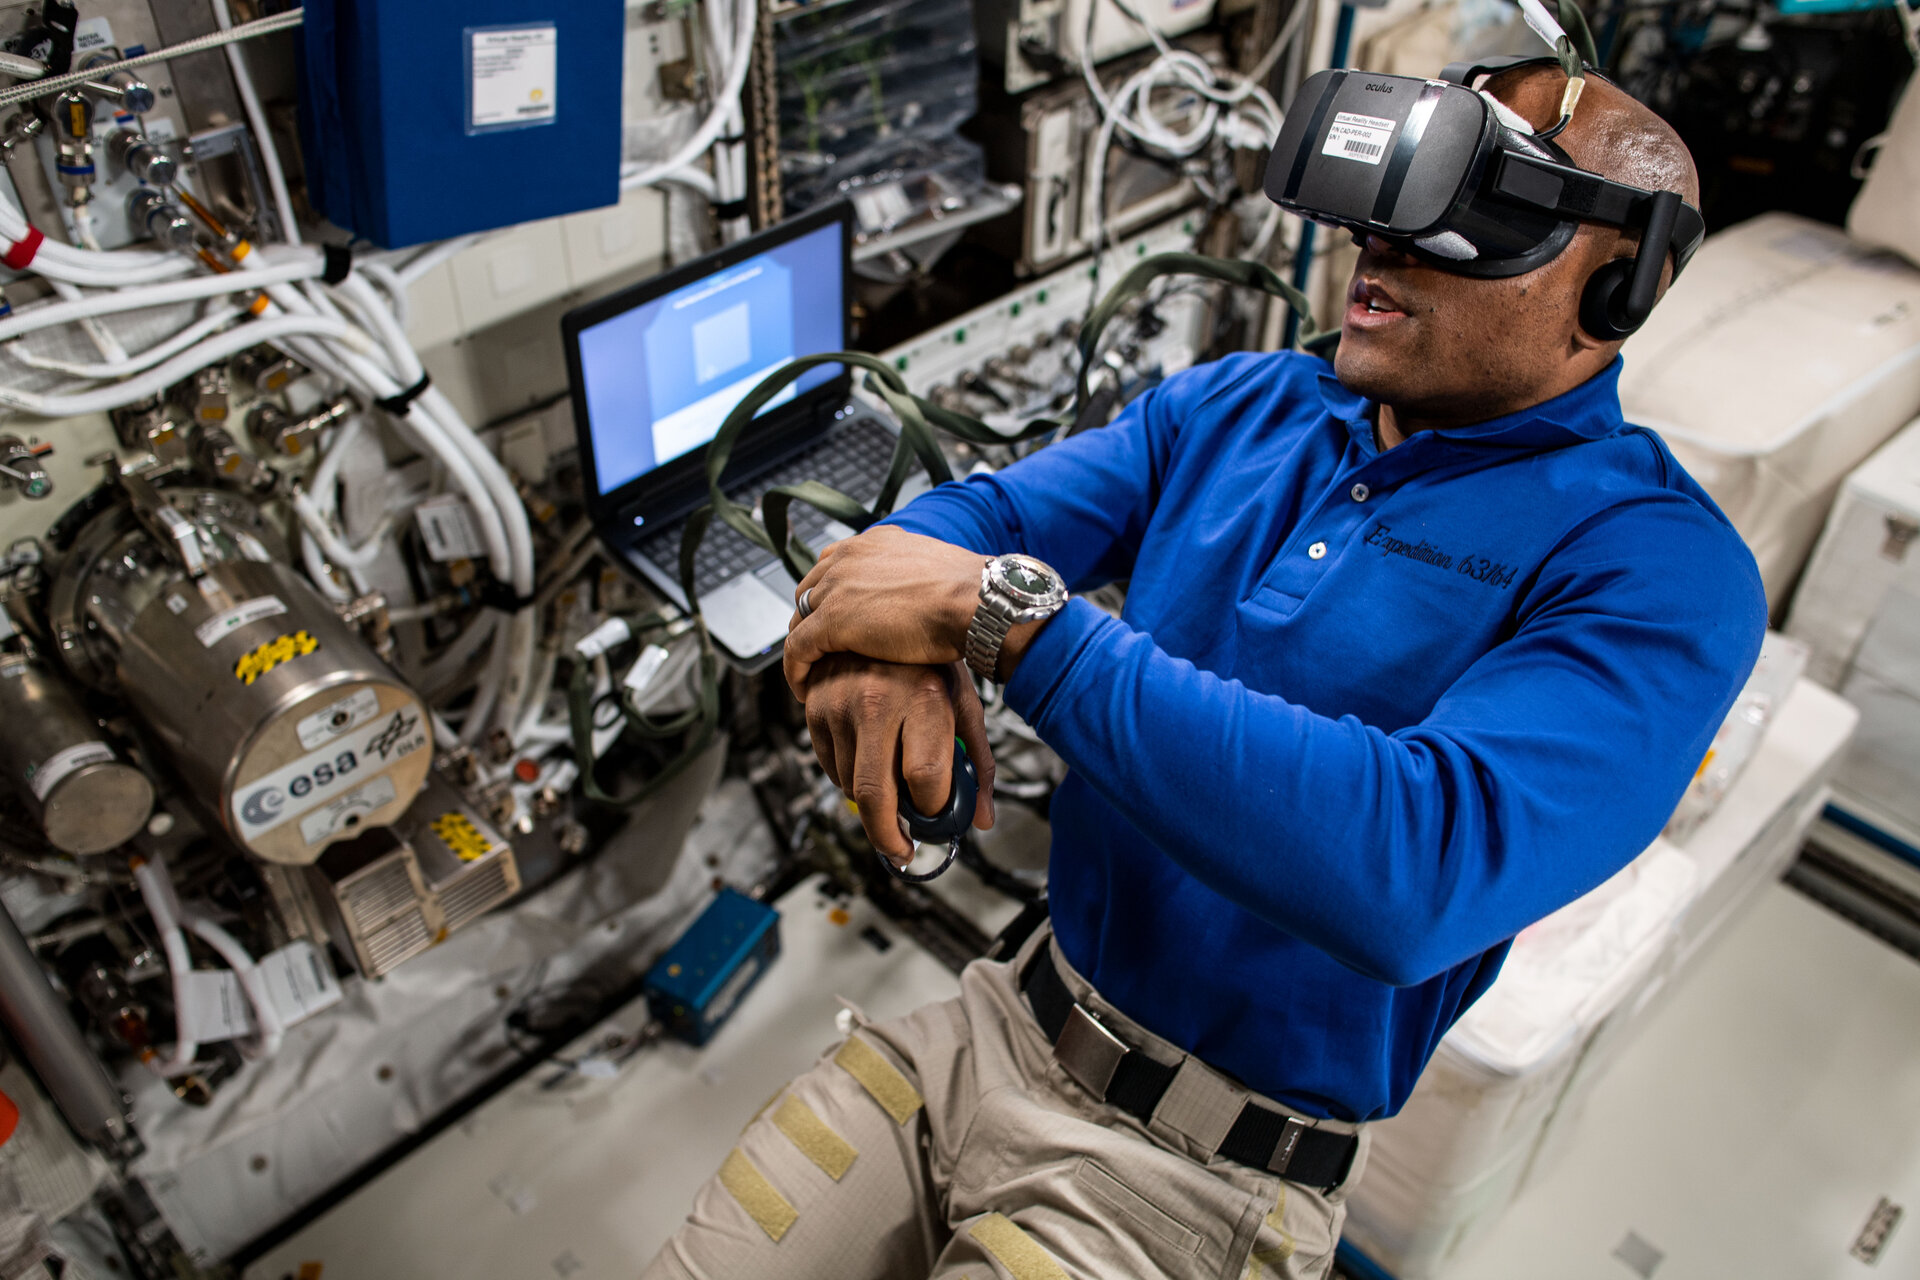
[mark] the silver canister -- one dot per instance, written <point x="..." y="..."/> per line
<point x="85" y="798"/>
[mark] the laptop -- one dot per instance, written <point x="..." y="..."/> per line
<point x="656" y="368"/>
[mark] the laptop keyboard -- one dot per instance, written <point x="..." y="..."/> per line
<point x="852" y="457"/>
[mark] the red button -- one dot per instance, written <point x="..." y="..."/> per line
<point x="526" y="770"/>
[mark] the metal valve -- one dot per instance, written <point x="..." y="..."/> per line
<point x="73" y="127"/>
<point x="142" y="158"/>
<point x="165" y="221"/>
<point x="125" y="89"/>
<point x="20" y="463"/>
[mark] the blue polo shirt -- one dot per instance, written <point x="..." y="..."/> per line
<point x="1366" y="715"/>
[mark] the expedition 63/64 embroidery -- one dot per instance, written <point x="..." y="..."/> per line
<point x="1479" y="568"/>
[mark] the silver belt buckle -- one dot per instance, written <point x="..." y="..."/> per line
<point x="1088" y="1051"/>
<point x="1289" y="1139"/>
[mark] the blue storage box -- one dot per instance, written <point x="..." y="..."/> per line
<point x="422" y="120"/>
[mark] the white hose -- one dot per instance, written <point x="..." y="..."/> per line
<point x="157" y="892"/>
<point x="740" y="56"/>
<point x="132" y="364"/>
<point x="434" y="255"/>
<point x="262" y="135"/>
<point x="269" y="1029"/>
<point x="108" y="303"/>
<point x="220" y="347"/>
<point x="103" y="342"/>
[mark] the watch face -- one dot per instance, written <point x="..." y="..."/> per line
<point x="1021" y="578"/>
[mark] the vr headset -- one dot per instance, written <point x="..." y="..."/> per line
<point x="1445" y="173"/>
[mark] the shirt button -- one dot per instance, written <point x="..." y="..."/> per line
<point x="1317" y="551"/>
<point x="1360" y="493"/>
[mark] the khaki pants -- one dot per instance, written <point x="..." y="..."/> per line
<point x="949" y="1144"/>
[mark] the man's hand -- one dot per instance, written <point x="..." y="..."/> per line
<point x="889" y="595"/>
<point x="876" y="722"/>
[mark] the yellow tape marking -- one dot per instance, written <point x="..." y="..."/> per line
<point x="880" y="1078"/>
<point x="1015" y="1250"/>
<point x="311" y="1270"/>
<point x="1275" y="1257"/>
<point x="458" y="833"/>
<point x="756" y="1195"/>
<point x="816" y="1140"/>
<point x="271" y="654"/>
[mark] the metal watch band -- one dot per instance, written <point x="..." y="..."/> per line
<point x="987" y="633"/>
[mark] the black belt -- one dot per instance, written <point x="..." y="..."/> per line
<point x="1114" y="1072"/>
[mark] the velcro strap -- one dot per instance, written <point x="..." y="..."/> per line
<point x="815" y="1138"/>
<point x="398" y="403"/>
<point x="1320" y="1158"/>
<point x="893" y="1091"/>
<point x="728" y="210"/>
<point x="770" y="1210"/>
<point x="1014" y="1249"/>
<point x="19" y="254"/>
<point x="339" y="262"/>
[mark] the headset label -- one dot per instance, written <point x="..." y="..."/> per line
<point x="316" y="778"/>
<point x="1353" y="136"/>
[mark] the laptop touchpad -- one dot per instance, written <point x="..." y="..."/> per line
<point x="748" y="615"/>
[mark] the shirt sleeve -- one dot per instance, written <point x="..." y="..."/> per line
<point x="1082" y="504"/>
<point x="1553" y="760"/>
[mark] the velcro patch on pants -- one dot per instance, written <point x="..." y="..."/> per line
<point x="815" y="1138"/>
<point x="756" y="1195"/>
<point x="880" y="1078"/>
<point x="1015" y="1250"/>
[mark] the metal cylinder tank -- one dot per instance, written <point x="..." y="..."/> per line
<point x="36" y="1020"/>
<point x="86" y="799"/>
<point x="276" y="714"/>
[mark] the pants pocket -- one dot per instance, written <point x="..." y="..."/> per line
<point x="1124" y="1203"/>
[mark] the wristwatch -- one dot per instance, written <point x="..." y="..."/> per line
<point x="1013" y="589"/>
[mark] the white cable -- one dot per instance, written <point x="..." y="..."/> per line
<point x="132" y="364"/>
<point x="83" y="266"/>
<point x="157" y="892"/>
<point x="220" y="347"/>
<point x="262" y="134"/>
<point x="212" y="40"/>
<point x="434" y="255"/>
<point x="270" y="1029"/>
<point x="103" y="342"/>
<point x="739" y="58"/>
<point x="100" y="304"/>
<point x="395" y="289"/>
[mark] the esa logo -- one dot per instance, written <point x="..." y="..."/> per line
<point x="263" y="807"/>
<point x="1377" y="88"/>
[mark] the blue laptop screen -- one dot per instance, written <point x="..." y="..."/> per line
<point x="660" y="379"/>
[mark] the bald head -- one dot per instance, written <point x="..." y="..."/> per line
<point x="1612" y="134"/>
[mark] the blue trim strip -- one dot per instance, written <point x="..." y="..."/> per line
<point x="1358" y="1265"/>
<point x="1873" y="835"/>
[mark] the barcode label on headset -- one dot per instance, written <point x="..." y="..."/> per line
<point x="1357" y="137"/>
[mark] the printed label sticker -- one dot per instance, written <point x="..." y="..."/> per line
<point x="1356" y="137"/>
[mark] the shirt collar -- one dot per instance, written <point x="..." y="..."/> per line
<point x="1590" y="411"/>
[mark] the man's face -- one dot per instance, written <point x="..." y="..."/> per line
<point x="1438" y="346"/>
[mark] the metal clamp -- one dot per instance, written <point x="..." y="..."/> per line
<point x="1088" y="1051"/>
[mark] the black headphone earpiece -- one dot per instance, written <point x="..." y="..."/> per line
<point x="1604" y="309"/>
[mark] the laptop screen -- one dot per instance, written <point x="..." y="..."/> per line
<point x="659" y="379"/>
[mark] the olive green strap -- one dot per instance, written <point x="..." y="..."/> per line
<point x="919" y="419"/>
<point x="702" y="720"/>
